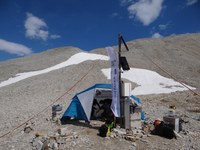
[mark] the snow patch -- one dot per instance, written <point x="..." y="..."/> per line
<point x="149" y="82"/>
<point x="75" y="59"/>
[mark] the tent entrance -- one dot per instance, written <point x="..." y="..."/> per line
<point x="101" y="104"/>
<point x="101" y="109"/>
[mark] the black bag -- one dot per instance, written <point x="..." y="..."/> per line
<point x="103" y="130"/>
<point x="164" y="130"/>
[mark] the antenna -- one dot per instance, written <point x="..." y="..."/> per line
<point x="122" y="39"/>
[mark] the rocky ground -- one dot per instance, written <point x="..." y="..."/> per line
<point x="29" y="101"/>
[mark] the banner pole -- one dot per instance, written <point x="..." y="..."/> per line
<point x="120" y="94"/>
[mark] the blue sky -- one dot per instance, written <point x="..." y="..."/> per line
<point x="32" y="26"/>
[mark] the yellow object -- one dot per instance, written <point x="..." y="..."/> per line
<point x="109" y="126"/>
<point x="172" y="107"/>
<point x="108" y="132"/>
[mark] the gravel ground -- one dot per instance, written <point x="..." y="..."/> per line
<point x="178" y="55"/>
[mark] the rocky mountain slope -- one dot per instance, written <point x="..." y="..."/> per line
<point x="31" y="99"/>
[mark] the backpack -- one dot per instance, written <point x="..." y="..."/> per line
<point x="103" y="130"/>
<point x="164" y="130"/>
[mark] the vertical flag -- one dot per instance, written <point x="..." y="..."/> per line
<point x="115" y="106"/>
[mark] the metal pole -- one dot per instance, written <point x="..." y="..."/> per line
<point x="123" y="120"/>
<point x="120" y="97"/>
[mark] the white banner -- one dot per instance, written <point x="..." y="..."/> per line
<point x="115" y="106"/>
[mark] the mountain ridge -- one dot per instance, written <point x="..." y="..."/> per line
<point x="24" y="99"/>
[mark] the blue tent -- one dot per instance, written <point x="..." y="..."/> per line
<point x="81" y="105"/>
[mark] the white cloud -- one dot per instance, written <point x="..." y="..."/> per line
<point x="114" y="14"/>
<point x="162" y="26"/>
<point x="191" y="2"/>
<point x="125" y="2"/>
<point x="54" y="36"/>
<point x="35" y="28"/>
<point x="156" y="35"/>
<point x="145" y="11"/>
<point x="14" y="48"/>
